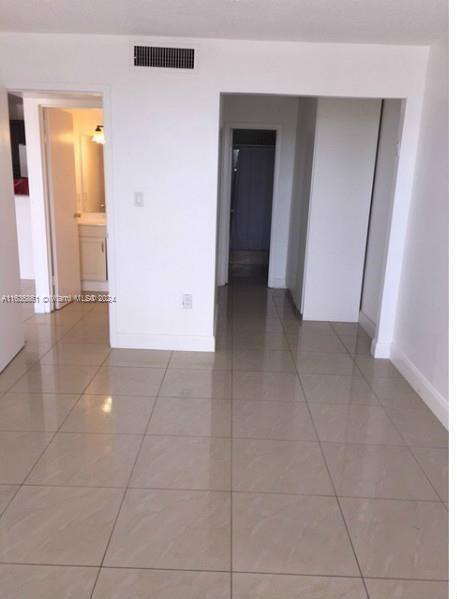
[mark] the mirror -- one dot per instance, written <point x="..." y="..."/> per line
<point x="92" y="175"/>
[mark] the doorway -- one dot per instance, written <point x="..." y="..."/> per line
<point x="61" y="221"/>
<point x="74" y="166"/>
<point x="21" y="193"/>
<point x="251" y="198"/>
<point x="249" y="174"/>
<point x="320" y="232"/>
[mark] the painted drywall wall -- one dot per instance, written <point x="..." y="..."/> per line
<point x="11" y="327"/>
<point x="162" y="139"/>
<point x="343" y="169"/>
<point x="268" y="111"/>
<point x="421" y="336"/>
<point x="24" y="236"/>
<point x="304" y="151"/>
<point x="381" y="211"/>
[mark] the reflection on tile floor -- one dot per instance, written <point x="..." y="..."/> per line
<point x="288" y="464"/>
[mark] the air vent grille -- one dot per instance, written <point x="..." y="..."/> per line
<point x="164" y="57"/>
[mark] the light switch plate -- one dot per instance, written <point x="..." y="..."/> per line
<point x="138" y="199"/>
<point x="187" y="301"/>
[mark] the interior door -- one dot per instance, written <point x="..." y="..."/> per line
<point x="61" y="181"/>
<point x="252" y="192"/>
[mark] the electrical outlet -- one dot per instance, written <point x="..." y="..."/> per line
<point x="138" y="199"/>
<point x="187" y="301"/>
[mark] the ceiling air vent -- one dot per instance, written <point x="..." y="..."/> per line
<point x="164" y="57"/>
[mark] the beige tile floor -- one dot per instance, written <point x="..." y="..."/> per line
<point x="288" y="464"/>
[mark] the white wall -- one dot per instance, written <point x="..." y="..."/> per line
<point x="162" y="139"/>
<point x="272" y="111"/>
<point x="24" y="236"/>
<point x="343" y="168"/>
<point x="304" y="151"/>
<point x="381" y="211"/>
<point x="11" y="328"/>
<point x="421" y="336"/>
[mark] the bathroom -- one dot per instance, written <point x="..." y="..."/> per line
<point x="64" y="156"/>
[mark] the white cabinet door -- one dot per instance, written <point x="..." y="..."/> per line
<point x="93" y="258"/>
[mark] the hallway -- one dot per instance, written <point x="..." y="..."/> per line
<point x="289" y="458"/>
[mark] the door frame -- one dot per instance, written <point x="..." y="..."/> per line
<point x="223" y="250"/>
<point x="38" y="177"/>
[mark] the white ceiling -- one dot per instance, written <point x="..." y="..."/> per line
<point x="375" y="21"/>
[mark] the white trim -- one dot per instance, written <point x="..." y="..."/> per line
<point x="163" y="342"/>
<point x="367" y="324"/>
<point x="101" y="286"/>
<point x="431" y="396"/>
<point x="216" y="314"/>
<point x="380" y="350"/>
<point x="222" y="257"/>
<point x="225" y="194"/>
<point x="398" y="227"/>
<point x="275" y="210"/>
<point x="277" y="283"/>
<point x="308" y="219"/>
<point x="39" y="91"/>
<point x="41" y="231"/>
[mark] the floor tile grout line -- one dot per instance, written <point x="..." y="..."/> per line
<point x="354" y="354"/>
<point x="214" y="490"/>
<point x="389" y="417"/>
<point x="334" y="490"/>
<point x="74" y="406"/>
<point x="287" y="574"/>
<point x="424" y="472"/>
<point x="220" y="571"/>
<point x="144" y="435"/>
<point x="35" y="362"/>
<point x="52" y="434"/>
<point x="411" y="452"/>
<point x="369" y="382"/>
<point x="8" y="503"/>
<point x="115" y="520"/>
<point x="380" y="404"/>
<point x="81" y="394"/>
<point x="127" y="486"/>
<point x="222" y="491"/>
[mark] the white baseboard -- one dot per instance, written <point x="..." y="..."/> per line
<point x="216" y="314"/>
<point x="42" y="308"/>
<point x="277" y="283"/>
<point x="165" y="342"/>
<point x="381" y="350"/>
<point x="367" y="324"/>
<point x="101" y="286"/>
<point x="431" y="396"/>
